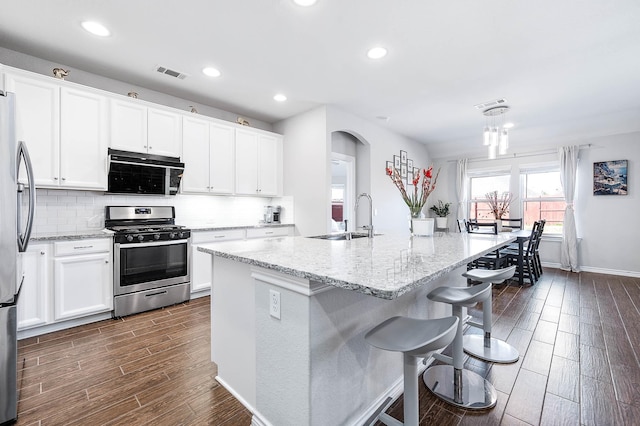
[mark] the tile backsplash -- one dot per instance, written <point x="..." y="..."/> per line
<point x="62" y="211"/>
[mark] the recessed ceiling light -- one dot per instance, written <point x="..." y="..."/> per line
<point x="280" y="97"/>
<point x="507" y="125"/>
<point x="96" y="28"/>
<point x="211" y="72"/>
<point x="377" y="52"/>
<point x="305" y="3"/>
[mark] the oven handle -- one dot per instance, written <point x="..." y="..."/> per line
<point x="152" y="243"/>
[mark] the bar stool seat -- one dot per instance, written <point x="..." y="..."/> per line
<point x="452" y="383"/>
<point x="415" y="338"/>
<point x="485" y="347"/>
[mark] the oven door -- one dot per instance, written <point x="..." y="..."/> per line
<point x="150" y="265"/>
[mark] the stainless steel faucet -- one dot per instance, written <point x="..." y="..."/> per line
<point x="370" y="227"/>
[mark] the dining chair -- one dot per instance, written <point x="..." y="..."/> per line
<point x="536" y="249"/>
<point x="528" y="270"/>
<point x="491" y="260"/>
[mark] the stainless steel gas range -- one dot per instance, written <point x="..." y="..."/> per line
<point x="151" y="258"/>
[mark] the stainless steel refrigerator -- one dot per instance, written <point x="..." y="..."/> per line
<point x="17" y="204"/>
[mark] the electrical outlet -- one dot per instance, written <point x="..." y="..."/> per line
<point x="274" y="304"/>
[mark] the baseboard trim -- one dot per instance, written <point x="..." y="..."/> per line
<point x="595" y="270"/>
<point x="63" y="325"/>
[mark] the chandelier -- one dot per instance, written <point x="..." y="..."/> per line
<point x="496" y="135"/>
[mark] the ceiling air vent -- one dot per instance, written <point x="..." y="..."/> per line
<point x="490" y="104"/>
<point x="172" y="73"/>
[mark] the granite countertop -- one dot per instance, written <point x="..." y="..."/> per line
<point x="386" y="266"/>
<point x="72" y="235"/>
<point x="202" y="228"/>
<point x="103" y="233"/>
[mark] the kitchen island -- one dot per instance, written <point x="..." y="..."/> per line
<point x="289" y="315"/>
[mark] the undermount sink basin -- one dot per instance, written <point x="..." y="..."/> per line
<point x="340" y="236"/>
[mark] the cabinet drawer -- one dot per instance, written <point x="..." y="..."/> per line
<point x="267" y="232"/>
<point x="214" y="236"/>
<point x="66" y="248"/>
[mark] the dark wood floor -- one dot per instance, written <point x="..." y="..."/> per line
<point x="578" y="335"/>
<point x="152" y="368"/>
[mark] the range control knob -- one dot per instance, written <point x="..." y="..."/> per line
<point x="181" y="234"/>
<point x="156" y="236"/>
<point x="140" y="237"/>
<point x="172" y="235"/>
<point x="129" y="238"/>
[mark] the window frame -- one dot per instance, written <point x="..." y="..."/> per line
<point x="523" y="176"/>
<point x="484" y="173"/>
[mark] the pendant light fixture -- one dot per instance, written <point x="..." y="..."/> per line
<point x="495" y="134"/>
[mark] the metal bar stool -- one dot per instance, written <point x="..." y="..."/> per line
<point x="486" y="347"/>
<point x="415" y="338"/>
<point x="452" y="383"/>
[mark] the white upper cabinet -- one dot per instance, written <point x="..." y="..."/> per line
<point x="139" y="128"/>
<point x="258" y="163"/>
<point x="221" y="158"/>
<point x="128" y="126"/>
<point x="38" y="123"/>
<point x="83" y="139"/>
<point x="65" y="131"/>
<point x="208" y="156"/>
<point x="195" y="150"/>
<point x="164" y="132"/>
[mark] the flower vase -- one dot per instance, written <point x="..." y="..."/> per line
<point x="499" y="225"/>
<point x="422" y="226"/>
<point x="441" y="222"/>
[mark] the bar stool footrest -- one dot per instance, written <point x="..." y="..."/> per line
<point x="476" y="392"/>
<point x="498" y="351"/>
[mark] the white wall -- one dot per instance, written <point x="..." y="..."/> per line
<point x="610" y="240"/>
<point x="307" y="169"/>
<point x="45" y="67"/>
<point x="392" y="213"/>
<point x="608" y="224"/>
<point x="67" y="212"/>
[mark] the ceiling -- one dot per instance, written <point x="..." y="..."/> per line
<point x="570" y="70"/>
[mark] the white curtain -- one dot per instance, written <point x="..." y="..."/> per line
<point x="461" y="188"/>
<point x="568" y="169"/>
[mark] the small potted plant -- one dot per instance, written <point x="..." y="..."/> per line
<point x="442" y="211"/>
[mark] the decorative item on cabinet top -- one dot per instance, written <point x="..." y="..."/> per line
<point x="133" y="95"/>
<point x="243" y="121"/>
<point x="60" y="73"/>
<point x="193" y="109"/>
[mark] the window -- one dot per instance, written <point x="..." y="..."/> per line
<point x="543" y="198"/>
<point x="479" y="187"/>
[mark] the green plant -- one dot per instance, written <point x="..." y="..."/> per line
<point x="441" y="209"/>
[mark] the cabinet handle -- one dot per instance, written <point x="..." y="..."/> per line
<point x="219" y="236"/>
<point x="55" y="178"/>
<point x="81" y="247"/>
<point x="150" y="147"/>
<point x="42" y="253"/>
<point x="268" y="233"/>
<point x="106" y="261"/>
<point x="64" y="178"/>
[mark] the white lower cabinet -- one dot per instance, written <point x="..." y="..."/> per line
<point x="201" y="262"/>
<point x="83" y="282"/>
<point x="34" y="299"/>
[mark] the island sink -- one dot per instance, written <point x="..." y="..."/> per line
<point x="341" y="237"/>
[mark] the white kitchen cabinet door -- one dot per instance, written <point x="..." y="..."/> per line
<point x="195" y="150"/>
<point x="128" y="125"/>
<point x="201" y="262"/>
<point x="34" y="293"/>
<point x="82" y="285"/>
<point x="268" y="165"/>
<point x="246" y="162"/>
<point x="83" y="139"/>
<point x="38" y="123"/>
<point x="164" y="133"/>
<point x="221" y="158"/>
